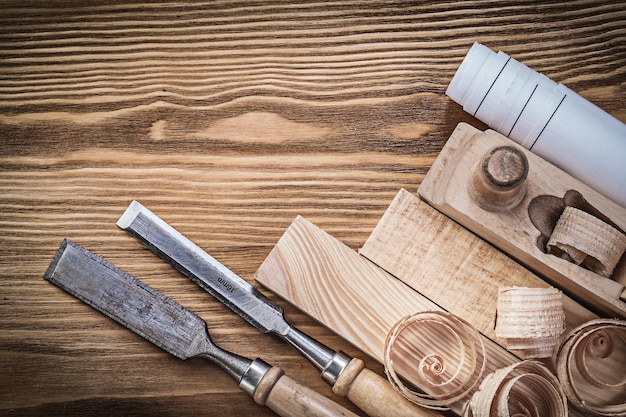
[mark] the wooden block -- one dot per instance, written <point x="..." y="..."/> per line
<point x="446" y="187"/>
<point x="347" y="293"/>
<point x="450" y="265"/>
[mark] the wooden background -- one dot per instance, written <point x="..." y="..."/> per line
<point x="227" y="119"/>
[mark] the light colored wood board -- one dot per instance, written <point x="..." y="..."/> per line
<point x="450" y="265"/>
<point x="346" y="292"/>
<point x="512" y="231"/>
<point x="328" y="280"/>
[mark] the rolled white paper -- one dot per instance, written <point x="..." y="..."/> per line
<point x="545" y="117"/>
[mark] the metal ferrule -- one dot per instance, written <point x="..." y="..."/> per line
<point x="253" y="376"/>
<point x="334" y="368"/>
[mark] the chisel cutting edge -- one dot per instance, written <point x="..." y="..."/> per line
<point x="177" y="330"/>
<point x="347" y="376"/>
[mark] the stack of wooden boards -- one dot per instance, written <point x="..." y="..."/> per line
<point x="419" y="260"/>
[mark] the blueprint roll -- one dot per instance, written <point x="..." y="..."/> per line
<point x="545" y="117"/>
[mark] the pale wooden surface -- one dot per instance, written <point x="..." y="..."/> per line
<point x="450" y="265"/>
<point x="288" y="398"/>
<point x="351" y="295"/>
<point x="229" y="119"/>
<point x="446" y="188"/>
<point x="363" y="302"/>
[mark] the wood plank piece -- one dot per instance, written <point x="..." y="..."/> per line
<point x="446" y="188"/>
<point x="344" y="291"/>
<point x="450" y="265"/>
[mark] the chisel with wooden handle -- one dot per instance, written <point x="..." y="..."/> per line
<point x="178" y="331"/>
<point x="348" y="376"/>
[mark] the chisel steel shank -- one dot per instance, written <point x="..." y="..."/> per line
<point x="227" y="287"/>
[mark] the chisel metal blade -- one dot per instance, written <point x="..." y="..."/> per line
<point x="137" y="306"/>
<point x="177" y="330"/>
<point x="203" y="269"/>
<point x="127" y="301"/>
<point x="226" y="286"/>
<point x="348" y="376"/>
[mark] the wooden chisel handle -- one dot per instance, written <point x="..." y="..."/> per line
<point x="375" y="395"/>
<point x="287" y="398"/>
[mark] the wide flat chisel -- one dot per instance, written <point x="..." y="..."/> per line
<point x="177" y="330"/>
<point x="348" y="376"/>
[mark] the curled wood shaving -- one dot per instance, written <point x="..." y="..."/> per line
<point x="531" y="320"/>
<point x="585" y="240"/>
<point x="524" y="389"/>
<point x="591" y="366"/>
<point x="437" y="370"/>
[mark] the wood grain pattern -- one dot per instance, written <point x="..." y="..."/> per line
<point x="363" y="302"/>
<point x="229" y="118"/>
<point x="351" y="295"/>
<point x="450" y="265"/>
<point x="514" y="231"/>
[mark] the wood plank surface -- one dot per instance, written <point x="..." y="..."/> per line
<point x="356" y="298"/>
<point x="450" y="265"/>
<point x="513" y="231"/>
<point x="229" y="119"/>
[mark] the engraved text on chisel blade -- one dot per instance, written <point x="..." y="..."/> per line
<point x="203" y="269"/>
